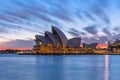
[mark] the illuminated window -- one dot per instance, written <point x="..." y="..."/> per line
<point x="40" y="43"/>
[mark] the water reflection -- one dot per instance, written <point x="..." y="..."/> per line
<point x="49" y="68"/>
<point x="106" y="67"/>
<point x="70" y="67"/>
<point x="92" y="67"/>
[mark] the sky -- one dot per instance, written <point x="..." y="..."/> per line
<point x="92" y="20"/>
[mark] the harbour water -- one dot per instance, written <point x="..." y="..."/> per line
<point x="67" y="67"/>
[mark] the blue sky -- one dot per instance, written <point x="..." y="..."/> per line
<point x="92" y="20"/>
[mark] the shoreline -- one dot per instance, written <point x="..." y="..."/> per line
<point x="54" y="54"/>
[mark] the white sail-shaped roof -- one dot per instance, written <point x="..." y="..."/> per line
<point x="60" y="35"/>
<point x="74" y="42"/>
<point x="51" y="37"/>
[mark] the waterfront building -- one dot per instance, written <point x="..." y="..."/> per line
<point x="92" y="45"/>
<point x="55" y="42"/>
<point x="115" y="47"/>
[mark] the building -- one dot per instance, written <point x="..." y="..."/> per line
<point x="55" y="42"/>
<point x="115" y="47"/>
<point x="92" y="45"/>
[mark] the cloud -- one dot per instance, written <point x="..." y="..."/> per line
<point x="30" y="17"/>
<point x="18" y="43"/>
<point x="11" y="27"/>
<point x="105" y="30"/>
<point x="91" y="29"/>
<point x="117" y="29"/>
<point x="6" y="18"/>
<point x="38" y="10"/>
<point x="101" y="39"/>
<point x="89" y="15"/>
<point x="100" y="13"/>
<point x="116" y="36"/>
<point x="73" y="33"/>
<point x="80" y="15"/>
<point x="83" y="33"/>
<point x="76" y="32"/>
<point x="3" y="30"/>
<point x="104" y="3"/>
<point x="89" y="40"/>
<point x="32" y="11"/>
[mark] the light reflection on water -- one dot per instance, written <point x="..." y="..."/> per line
<point x="106" y="67"/>
<point x="79" y="67"/>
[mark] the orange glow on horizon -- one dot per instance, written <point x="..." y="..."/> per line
<point x="102" y="46"/>
<point x="16" y="48"/>
<point x="98" y="46"/>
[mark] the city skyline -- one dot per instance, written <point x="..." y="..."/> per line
<point x="92" y="20"/>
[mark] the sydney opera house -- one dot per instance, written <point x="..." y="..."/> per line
<point x="57" y="42"/>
